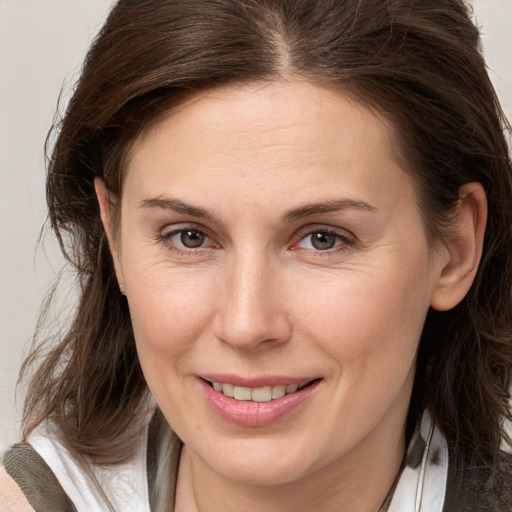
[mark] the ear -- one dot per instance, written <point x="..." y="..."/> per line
<point x="464" y="248"/>
<point x="104" y="202"/>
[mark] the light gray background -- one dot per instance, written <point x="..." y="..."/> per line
<point x="42" y="44"/>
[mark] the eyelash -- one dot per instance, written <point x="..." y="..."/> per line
<point x="343" y="240"/>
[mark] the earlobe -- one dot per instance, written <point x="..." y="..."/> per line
<point x="102" y="195"/>
<point x="463" y="249"/>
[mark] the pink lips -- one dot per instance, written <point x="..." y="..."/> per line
<point x="255" y="414"/>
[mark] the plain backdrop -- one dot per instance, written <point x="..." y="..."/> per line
<point x="42" y="45"/>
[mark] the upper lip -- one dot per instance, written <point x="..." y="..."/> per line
<point x="256" y="382"/>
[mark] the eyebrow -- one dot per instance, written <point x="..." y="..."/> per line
<point x="177" y="206"/>
<point x="289" y="216"/>
<point x="334" y="205"/>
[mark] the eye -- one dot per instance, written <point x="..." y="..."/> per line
<point x="324" y="240"/>
<point x="191" y="238"/>
<point x="186" y="239"/>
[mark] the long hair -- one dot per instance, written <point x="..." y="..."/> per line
<point x="417" y="62"/>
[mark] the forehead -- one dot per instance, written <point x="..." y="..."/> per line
<point x="268" y="107"/>
<point x="295" y="137"/>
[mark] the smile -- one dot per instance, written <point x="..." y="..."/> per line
<point x="258" y="405"/>
<point x="261" y="394"/>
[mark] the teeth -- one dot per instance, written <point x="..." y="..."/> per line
<point x="228" y="390"/>
<point x="291" y="388"/>
<point x="264" y="394"/>
<point x="242" y="393"/>
<point x="278" y="391"/>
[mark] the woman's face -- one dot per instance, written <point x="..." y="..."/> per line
<point x="269" y="238"/>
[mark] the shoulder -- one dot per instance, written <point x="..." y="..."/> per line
<point x="11" y="496"/>
<point x="484" y="488"/>
<point x="30" y="483"/>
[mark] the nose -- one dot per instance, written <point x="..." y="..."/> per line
<point x="251" y="311"/>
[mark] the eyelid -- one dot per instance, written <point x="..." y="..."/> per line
<point x="182" y="226"/>
<point x="323" y="228"/>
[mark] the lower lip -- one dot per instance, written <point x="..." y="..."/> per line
<point x="255" y="414"/>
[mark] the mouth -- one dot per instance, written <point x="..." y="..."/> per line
<point x="260" y="394"/>
<point x="269" y="402"/>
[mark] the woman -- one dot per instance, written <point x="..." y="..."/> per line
<point x="290" y="222"/>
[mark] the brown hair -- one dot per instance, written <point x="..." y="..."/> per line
<point x="415" y="61"/>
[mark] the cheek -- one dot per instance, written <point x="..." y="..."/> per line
<point x="170" y="311"/>
<point x="368" y="330"/>
<point x="370" y="323"/>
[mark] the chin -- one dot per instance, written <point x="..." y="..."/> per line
<point x="259" y="473"/>
<point x="259" y="461"/>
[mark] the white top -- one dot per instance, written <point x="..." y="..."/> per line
<point x="125" y="485"/>
<point x="423" y="489"/>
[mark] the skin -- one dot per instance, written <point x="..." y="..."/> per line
<point x="11" y="497"/>
<point x="257" y="298"/>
